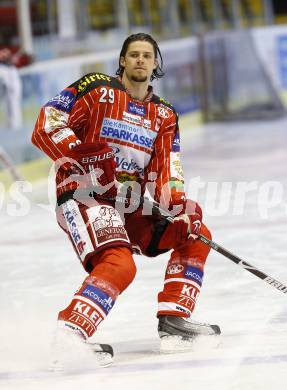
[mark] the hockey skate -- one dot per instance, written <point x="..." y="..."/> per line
<point x="71" y="352"/>
<point x="179" y="334"/>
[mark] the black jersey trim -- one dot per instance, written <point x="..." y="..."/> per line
<point x="159" y="100"/>
<point x="91" y="81"/>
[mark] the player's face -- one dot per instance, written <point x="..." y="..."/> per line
<point x="139" y="61"/>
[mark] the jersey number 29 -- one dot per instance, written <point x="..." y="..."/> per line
<point x="107" y="95"/>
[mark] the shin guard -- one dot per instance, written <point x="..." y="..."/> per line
<point x="183" y="278"/>
<point x="181" y="288"/>
<point x="89" y="307"/>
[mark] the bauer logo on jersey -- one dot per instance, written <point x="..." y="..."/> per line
<point x="176" y="143"/>
<point x="132" y="134"/>
<point x="194" y="274"/>
<point x="103" y="300"/>
<point x="136" y="109"/>
<point x="64" y="101"/>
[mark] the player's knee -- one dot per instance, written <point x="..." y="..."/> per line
<point x="127" y="272"/>
<point x="124" y="266"/>
<point x="115" y="265"/>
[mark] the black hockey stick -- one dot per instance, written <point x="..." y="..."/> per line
<point x="155" y="206"/>
<point x="255" y="271"/>
<point x="218" y="248"/>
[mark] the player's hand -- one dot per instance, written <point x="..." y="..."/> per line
<point x="184" y="227"/>
<point x="95" y="165"/>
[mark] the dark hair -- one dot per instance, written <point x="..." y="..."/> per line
<point x="157" y="72"/>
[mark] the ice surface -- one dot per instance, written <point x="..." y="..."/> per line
<point x="39" y="273"/>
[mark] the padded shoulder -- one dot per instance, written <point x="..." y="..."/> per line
<point x="94" y="80"/>
<point x="159" y="100"/>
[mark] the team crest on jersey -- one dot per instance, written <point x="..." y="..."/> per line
<point x="163" y="112"/>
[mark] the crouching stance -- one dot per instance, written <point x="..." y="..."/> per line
<point x="102" y="131"/>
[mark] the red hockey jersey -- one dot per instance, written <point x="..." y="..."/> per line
<point x="144" y="135"/>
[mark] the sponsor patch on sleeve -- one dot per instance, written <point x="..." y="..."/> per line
<point x="176" y="143"/>
<point x="176" y="171"/>
<point x="61" y="135"/>
<point x="64" y="101"/>
<point x="54" y="119"/>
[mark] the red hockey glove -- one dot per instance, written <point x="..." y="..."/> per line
<point x="96" y="167"/>
<point x="184" y="227"/>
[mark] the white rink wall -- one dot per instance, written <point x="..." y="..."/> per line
<point x="182" y="84"/>
<point x="271" y="45"/>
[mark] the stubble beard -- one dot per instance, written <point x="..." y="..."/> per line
<point x="138" y="79"/>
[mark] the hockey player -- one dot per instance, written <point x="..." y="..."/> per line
<point x="117" y="126"/>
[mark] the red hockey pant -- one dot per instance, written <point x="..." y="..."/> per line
<point x="112" y="269"/>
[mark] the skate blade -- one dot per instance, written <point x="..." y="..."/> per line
<point x="176" y="344"/>
<point x="56" y="366"/>
<point x="97" y="360"/>
<point x="103" y="359"/>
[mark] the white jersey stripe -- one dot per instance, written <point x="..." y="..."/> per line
<point x="183" y="280"/>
